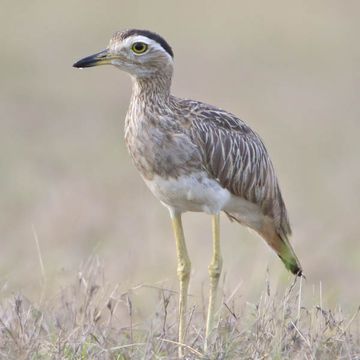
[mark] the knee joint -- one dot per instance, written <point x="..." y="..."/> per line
<point x="183" y="270"/>
<point x="215" y="270"/>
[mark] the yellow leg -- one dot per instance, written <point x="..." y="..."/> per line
<point x="214" y="274"/>
<point x="183" y="272"/>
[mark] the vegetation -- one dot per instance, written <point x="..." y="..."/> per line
<point x="92" y="320"/>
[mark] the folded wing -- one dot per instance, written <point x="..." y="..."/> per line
<point x="236" y="156"/>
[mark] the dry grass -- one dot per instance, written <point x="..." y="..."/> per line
<point x="92" y="320"/>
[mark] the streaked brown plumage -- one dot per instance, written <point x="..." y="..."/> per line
<point x="183" y="136"/>
<point x="194" y="156"/>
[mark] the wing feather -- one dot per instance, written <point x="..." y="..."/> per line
<point x="237" y="157"/>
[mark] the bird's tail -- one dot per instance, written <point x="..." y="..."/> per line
<point x="277" y="240"/>
<point x="289" y="258"/>
<point x="280" y="243"/>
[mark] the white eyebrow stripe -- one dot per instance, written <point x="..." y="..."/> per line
<point x="141" y="38"/>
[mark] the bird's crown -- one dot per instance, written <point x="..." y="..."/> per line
<point x="120" y="36"/>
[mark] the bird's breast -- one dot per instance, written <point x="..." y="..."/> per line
<point x="159" y="151"/>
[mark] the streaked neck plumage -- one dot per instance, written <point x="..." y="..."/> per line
<point x="150" y="97"/>
<point x="153" y="88"/>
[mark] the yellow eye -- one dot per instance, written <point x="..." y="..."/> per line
<point x="139" y="47"/>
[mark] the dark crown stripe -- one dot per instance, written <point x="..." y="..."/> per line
<point x="161" y="41"/>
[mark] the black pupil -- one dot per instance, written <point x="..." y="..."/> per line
<point x="139" y="46"/>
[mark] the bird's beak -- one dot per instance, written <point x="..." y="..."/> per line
<point x="102" y="58"/>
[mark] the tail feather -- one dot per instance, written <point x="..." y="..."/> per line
<point x="280" y="243"/>
<point x="277" y="240"/>
<point x="288" y="257"/>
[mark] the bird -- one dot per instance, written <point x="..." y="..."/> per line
<point x="195" y="157"/>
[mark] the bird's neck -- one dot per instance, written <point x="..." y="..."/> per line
<point x="154" y="88"/>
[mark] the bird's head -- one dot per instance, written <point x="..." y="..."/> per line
<point x="141" y="53"/>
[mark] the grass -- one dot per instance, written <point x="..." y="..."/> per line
<point x="92" y="319"/>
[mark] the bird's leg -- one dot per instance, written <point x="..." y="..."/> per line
<point x="183" y="272"/>
<point x="214" y="274"/>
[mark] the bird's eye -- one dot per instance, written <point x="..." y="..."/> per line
<point x="139" y="47"/>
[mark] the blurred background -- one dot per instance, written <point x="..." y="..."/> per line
<point x="290" y="69"/>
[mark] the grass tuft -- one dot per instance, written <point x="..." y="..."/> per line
<point x="92" y="320"/>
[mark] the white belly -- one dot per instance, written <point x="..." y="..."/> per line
<point x="196" y="192"/>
